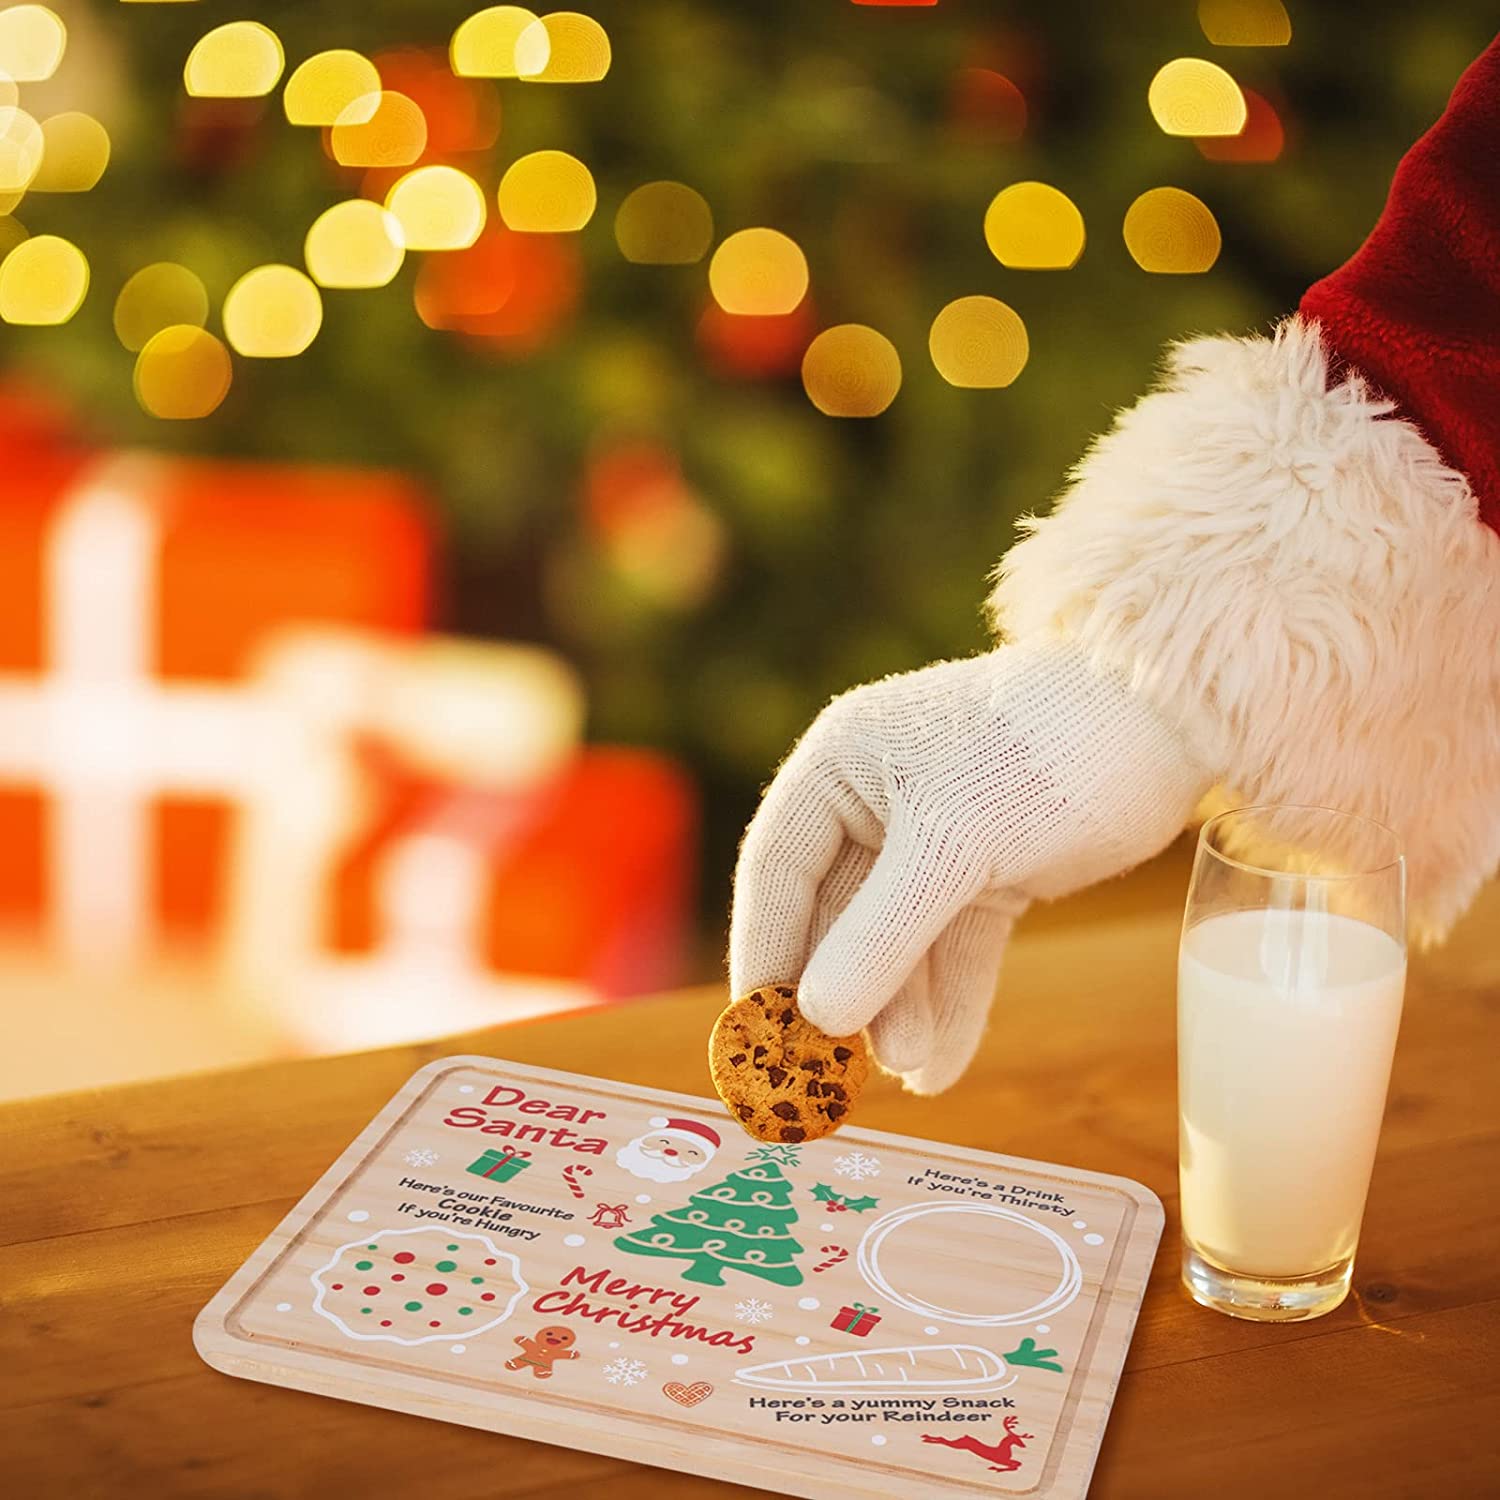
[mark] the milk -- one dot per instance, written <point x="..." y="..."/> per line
<point x="1286" y="1026"/>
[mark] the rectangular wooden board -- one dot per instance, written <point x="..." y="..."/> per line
<point x="866" y="1315"/>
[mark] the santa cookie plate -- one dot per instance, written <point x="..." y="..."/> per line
<point x="590" y="1264"/>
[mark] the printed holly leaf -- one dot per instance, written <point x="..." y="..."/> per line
<point x="1028" y="1354"/>
<point x="835" y="1199"/>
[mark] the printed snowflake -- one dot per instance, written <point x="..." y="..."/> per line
<point x="420" y="1156"/>
<point x="624" y="1371"/>
<point x="857" y="1165"/>
<point x="752" y="1310"/>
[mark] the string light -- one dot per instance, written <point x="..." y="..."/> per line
<point x="21" y="149"/>
<point x="758" y="273"/>
<point x="547" y="192"/>
<point x="182" y="373"/>
<point x="484" y="46"/>
<point x="564" y="47"/>
<point x="978" y="343"/>
<point x="438" y="208"/>
<point x="43" y="281"/>
<point x="32" y="42"/>
<point x="664" y="224"/>
<point x="382" y="130"/>
<point x="1032" y="226"/>
<point x="272" y="312"/>
<point x="1245" y="23"/>
<point x="1170" y="231"/>
<point x="354" y="244"/>
<point x="157" y="297"/>
<point x="240" y="60"/>
<point x="74" y="155"/>
<point x="328" y="84"/>
<point x="1191" y="96"/>
<point x="851" y="371"/>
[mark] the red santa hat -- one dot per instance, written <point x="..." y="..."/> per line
<point x="1292" y="546"/>
<point x="1417" y="309"/>
<point x="689" y="1130"/>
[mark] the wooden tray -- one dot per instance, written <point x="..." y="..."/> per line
<point x="577" y="1261"/>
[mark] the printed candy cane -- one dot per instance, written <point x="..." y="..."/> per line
<point x="571" y="1173"/>
<point x="837" y="1254"/>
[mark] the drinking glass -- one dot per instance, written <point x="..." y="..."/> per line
<point x="1289" y="987"/>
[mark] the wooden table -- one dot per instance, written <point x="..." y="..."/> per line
<point x="121" y="1211"/>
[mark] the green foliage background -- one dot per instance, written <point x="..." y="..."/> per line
<point x="856" y="548"/>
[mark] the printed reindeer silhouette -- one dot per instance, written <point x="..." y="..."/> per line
<point x="1001" y="1455"/>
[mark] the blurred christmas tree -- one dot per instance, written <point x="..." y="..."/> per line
<point x="629" y="471"/>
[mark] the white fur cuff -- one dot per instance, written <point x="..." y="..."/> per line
<point x="1294" y="576"/>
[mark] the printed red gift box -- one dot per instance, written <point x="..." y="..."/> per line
<point x="858" y="1319"/>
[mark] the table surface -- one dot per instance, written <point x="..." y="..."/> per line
<point x="125" y="1209"/>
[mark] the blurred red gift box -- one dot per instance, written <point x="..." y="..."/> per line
<point x="220" y="720"/>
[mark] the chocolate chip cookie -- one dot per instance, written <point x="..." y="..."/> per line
<point x="779" y="1076"/>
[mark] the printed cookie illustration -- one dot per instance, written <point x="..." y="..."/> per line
<point x="782" y="1078"/>
<point x="543" y="1349"/>
<point x="416" y="1286"/>
<point x="671" y="1151"/>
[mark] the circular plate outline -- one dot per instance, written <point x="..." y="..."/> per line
<point x="1067" y="1288"/>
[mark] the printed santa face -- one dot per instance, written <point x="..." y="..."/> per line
<point x="671" y="1151"/>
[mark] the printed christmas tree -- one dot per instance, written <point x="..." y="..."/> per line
<point x="741" y="1224"/>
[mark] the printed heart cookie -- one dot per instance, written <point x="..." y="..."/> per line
<point x="688" y="1395"/>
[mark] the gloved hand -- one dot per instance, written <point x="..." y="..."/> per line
<point x="916" y="819"/>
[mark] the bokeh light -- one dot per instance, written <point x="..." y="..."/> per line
<point x="327" y="84"/>
<point x="240" y="60"/>
<point x="74" y="156"/>
<point x="547" y="192"/>
<point x="438" y="208"/>
<point x="979" y="343"/>
<point x="462" y="114"/>
<point x="1262" y="139"/>
<point x="509" y="292"/>
<point x="1170" y="231"/>
<point x="1032" y="226"/>
<point x="182" y="373"/>
<point x="388" y="130"/>
<point x="21" y="149"/>
<point x="851" y="371"/>
<point x="758" y="273"/>
<point x="1245" y="23"/>
<point x="664" y="224"/>
<point x="756" y="348"/>
<point x="10" y="95"/>
<point x="272" y="312"/>
<point x="32" y="41"/>
<point x="354" y="244"/>
<point x="43" y="281"/>
<point x="986" y="105"/>
<point x="158" y="296"/>
<point x="484" y="46"/>
<point x="564" y="47"/>
<point x="1191" y="96"/>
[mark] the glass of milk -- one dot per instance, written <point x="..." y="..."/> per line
<point x="1290" y="978"/>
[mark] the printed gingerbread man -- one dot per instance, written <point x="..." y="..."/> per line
<point x="543" y="1349"/>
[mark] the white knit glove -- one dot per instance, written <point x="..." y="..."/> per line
<point x="916" y="819"/>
